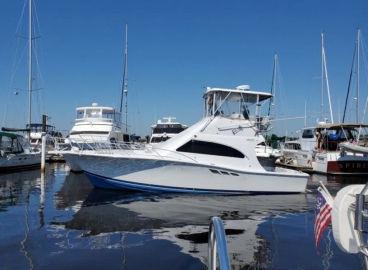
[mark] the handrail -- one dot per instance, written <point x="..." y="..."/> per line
<point x="217" y="245"/>
<point x="111" y="147"/>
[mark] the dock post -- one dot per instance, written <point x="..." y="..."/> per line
<point x="43" y="151"/>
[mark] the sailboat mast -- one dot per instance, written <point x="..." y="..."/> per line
<point x="322" y="76"/>
<point x="126" y="78"/>
<point x="124" y="91"/>
<point x="326" y="76"/>
<point x="30" y="62"/>
<point x="358" y="75"/>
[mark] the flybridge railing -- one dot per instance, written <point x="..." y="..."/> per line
<point x="96" y="119"/>
<point x="101" y="147"/>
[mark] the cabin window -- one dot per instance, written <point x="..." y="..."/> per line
<point x="293" y="146"/>
<point x="126" y="138"/>
<point x="80" y="114"/>
<point x="108" y="114"/>
<point x="89" y="132"/>
<point x="209" y="148"/>
<point x="93" y="113"/>
<point x="308" y="134"/>
<point x="168" y="129"/>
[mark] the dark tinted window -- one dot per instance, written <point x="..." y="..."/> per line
<point x="168" y="129"/>
<point x="88" y="132"/>
<point x="159" y="139"/>
<point x="210" y="148"/>
<point x="308" y="134"/>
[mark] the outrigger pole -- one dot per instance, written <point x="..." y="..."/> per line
<point x="273" y="83"/>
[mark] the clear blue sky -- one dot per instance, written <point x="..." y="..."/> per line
<point x="175" y="49"/>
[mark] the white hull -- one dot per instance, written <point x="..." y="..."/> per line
<point x="19" y="161"/>
<point x="174" y="176"/>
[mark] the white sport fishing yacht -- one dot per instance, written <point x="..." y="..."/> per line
<point x="215" y="155"/>
<point x="95" y="124"/>
<point x="165" y="129"/>
<point x="16" y="153"/>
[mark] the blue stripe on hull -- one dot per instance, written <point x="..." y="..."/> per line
<point x="110" y="183"/>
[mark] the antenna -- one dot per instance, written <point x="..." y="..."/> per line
<point x="124" y="87"/>
<point x="305" y="113"/>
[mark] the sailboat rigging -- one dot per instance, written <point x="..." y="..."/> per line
<point x="324" y="78"/>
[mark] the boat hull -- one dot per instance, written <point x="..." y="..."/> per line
<point x="20" y="162"/>
<point x="172" y="176"/>
<point x="333" y="163"/>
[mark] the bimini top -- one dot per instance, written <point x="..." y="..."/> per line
<point x="242" y="92"/>
<point x="7" y="134"/>
<point x="340" y="125"/>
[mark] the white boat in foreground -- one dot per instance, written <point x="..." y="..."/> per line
<point x="215" y="155"/>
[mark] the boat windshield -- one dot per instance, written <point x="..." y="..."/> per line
<point x="93" y="113"/>
<point x="10" y="144"/>
<point x="104" y="114"/>
<point x="235" y="103"/>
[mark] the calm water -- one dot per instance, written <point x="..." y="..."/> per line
<point x="61" y="222"/>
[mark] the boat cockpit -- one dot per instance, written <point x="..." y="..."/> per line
<point x="329" y="136"/>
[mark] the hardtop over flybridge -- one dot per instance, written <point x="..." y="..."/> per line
<point x="215" y="155"/>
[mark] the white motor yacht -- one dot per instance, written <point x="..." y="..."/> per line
<point x="165" y="129"/>
<point x="215" y="155"/>
<point x="97" y="124"/>
<point x="16" y="153"/>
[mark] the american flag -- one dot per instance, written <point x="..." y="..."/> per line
<point x="323" y="216"/>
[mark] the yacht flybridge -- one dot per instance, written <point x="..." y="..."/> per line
<point x="165" y="128"/>
<point x="97" y="124"/>
<point x="215" y="155"/>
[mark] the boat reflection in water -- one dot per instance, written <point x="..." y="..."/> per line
<point x="67" y="222"/>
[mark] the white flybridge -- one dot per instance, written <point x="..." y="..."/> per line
<point x="94" y="124"/>
<point x="215" y="155"/>
<point x="165" y="128"/>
